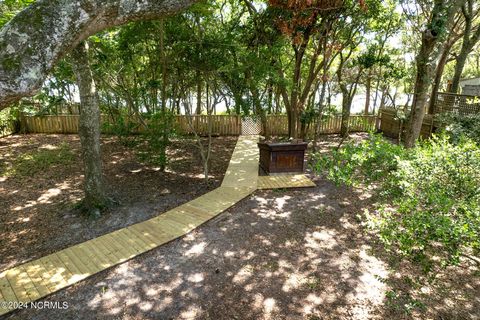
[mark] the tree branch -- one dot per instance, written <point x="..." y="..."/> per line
<point x="35" y="39"/>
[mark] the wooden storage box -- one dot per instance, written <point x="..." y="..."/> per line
<point x="282" y="157"/>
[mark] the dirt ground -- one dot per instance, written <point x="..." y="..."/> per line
<point x="279" y="254"/>
<point x="38" y="216"/>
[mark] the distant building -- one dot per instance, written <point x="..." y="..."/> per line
<point x="470" y="86"/>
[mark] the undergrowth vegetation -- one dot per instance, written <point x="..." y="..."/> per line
<point x="429" y="207"/>
<point x="150" y="140"/>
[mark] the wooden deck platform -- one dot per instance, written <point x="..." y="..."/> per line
<point x="284" y="181"/>
<point x="39" y="278"/>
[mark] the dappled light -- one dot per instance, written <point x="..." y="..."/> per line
<point x="299" y="253"/>
<point x="277" y="159"/>
<point x="243" y="263"/>
<point x="40" y="208"/>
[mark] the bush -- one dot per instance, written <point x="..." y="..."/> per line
<point x="458" y="126"/>
<point x="123" y="128"/>
<point x="436" y="193"/>
<point x="369" y="161"/>
<point x="430" y="195"/>
<point x="157" y="137"/>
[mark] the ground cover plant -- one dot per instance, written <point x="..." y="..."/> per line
<point x="35" y="161"/>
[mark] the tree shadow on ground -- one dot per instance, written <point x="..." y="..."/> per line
<point x="37" y="216"/>
<point x="278" y="254"/>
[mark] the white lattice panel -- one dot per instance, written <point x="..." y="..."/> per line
<point x="251" y="126"/>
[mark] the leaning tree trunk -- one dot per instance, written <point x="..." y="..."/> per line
<point x="460" y="64"/>
<point x="346" y="106"/>
<point x="39" y="36"/>
<point x="469" y="42"/>
<point x="438" y="77"/>
<point x="368" y="87"/>
<point x="89" y="130"/>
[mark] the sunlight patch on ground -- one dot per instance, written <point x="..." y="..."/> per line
<point x="269" y="307"/>
<point x="243" y="274"/>
<point x="192" y="312"/>
<point x="370" y="285"/>
<point x="261" y="201"/>
<point x="280" y="202"/>
<point x="47" y="195"/>
<point x="196" y="278"/>
<point x="325" y="239"/>
<point x="196" y="249"/>
<point x="48" y="147"/>
<point x="292" y="282"/>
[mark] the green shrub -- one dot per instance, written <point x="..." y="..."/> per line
<point x="430" y="195"/>
<point x="368" y="161"/>
<point x="123" y="128"/>
<point x="436" y="193"/>
<point x="157" y="138"/>
<point x="459" y="126"/>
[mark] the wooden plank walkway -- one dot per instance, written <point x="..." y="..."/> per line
<point x="243" y="167"/>
<point x="284" y="181"/>
<point x="39" y="278"/>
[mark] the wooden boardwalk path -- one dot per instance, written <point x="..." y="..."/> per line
<point x="39" y="278"/>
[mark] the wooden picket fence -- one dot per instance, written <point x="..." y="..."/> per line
<point x="221" y="124"/>
<point x="393" y="127"/>
<point x="278" y="124"/>
<point x="224" y="125"/>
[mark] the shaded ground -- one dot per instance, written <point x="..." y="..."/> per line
<point x="37" y="215"/>
<point x="296" y="254"/>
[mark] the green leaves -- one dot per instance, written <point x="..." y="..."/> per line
<point x="369" y="161"/>
<point x="9" y="8"/>
<point x="430" y="207"/>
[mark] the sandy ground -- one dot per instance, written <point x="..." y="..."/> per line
<point x="37" y="212"/>
<point x="280" y="254"/>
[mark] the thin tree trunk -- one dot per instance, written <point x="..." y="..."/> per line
<point x="367" y="93"/>
<point x="89" y="131"/>
<point x="346" y="106"/>
<point x="318" y="123"/>
<point x="469" y="42"/>
<point x="199" y="94"/>
<point x="165" y="116"/>
<point x="438" y="77"/>
<point x="163" y="57"/>
<point x="461" y="60"/>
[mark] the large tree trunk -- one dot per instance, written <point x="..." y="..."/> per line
<point x="89" y="130"/>
<point x="442" y="16"/>
<point x="424" y="76"/>
<point x="34" y="40"/>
